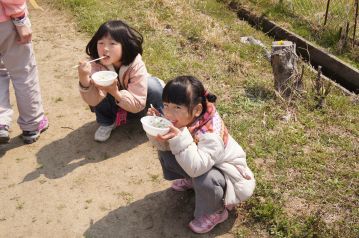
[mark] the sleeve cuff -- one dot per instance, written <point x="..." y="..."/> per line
<point x="21" y="21"/>
<point x="85" y="89"/>
<point x="181" y="141"/>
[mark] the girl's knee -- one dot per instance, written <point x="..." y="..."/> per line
<point x="209" y="180"/>
<point x="155" y="89"/>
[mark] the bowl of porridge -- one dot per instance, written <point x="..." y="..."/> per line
<point x="155" y="125"/>
<point x="104" y="78"/>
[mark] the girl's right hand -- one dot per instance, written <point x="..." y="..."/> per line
<point x="174" y="131"/>
<point x="153" y="112"/>
<point x="84" y="70"/>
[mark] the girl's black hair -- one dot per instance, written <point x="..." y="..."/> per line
<point x="130" y="39"/>
<point x="187" y="91"/>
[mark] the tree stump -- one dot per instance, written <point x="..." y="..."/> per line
<point x="284" y="64"/>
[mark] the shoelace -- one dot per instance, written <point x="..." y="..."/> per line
<point x="103" y="130"/>
<point x="186" y="183"/>
<point x="205" y="221"/>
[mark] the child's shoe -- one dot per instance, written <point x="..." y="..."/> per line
<point x="30" y="137"/>
<point x="206" y="223"/>
<point x="182" y="184"/>
<point x="4" y="134"/>
<point x="104" y="132"/>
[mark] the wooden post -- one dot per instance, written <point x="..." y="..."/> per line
<point x="326" y="13"/>
<point x="284" y="64"/>
<point x="346" y="35"/>
<point x="355" y="20"/>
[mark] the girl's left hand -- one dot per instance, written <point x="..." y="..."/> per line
<point x="174" y="131"/>
<point x="24" y="34"/>
<point x="111" y="89"/>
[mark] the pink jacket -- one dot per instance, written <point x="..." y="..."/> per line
<point x="11" y="8"/>
<point x="132" y="82"/>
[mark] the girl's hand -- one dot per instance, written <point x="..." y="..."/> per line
<point x="153" y="112"/>
<point x="25" y="34"/>
<point x="84" y="70"/>
<point x="243" y="173"/>
<point x="111" y="89"/>
<point x="174" y="131"/>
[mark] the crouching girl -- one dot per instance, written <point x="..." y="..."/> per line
<point x="198" y="153"/>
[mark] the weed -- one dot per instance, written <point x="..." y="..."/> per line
<point x="58" y="99"/>
<point x="127" y="197"/>
<point x="20" y="205"/>
<point x="155" y="178"/>
<point x="18" y="160"/>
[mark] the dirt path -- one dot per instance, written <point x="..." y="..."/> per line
<point x="67" y="185"/>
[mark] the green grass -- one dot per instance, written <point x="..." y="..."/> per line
<point x="306" y="165"/>
<point x="307" y="20"/>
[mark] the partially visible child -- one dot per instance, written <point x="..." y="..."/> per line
<point x="18" y="65"/>
<point x="200" y="153"/>
<point x="134" y="90"/>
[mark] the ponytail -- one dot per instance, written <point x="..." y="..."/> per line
<point x="210" y="97"/>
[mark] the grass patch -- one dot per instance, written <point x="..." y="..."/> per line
<point x="301" y="17"/>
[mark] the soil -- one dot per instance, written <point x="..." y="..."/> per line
<point x="68" y="185"/>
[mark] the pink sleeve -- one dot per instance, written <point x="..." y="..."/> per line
<point x="134" y="98"/>
<point x="14" y="8"/>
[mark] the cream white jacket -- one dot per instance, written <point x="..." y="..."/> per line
<point x="211" y="151"/>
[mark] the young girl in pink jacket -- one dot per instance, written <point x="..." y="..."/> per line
<point x="18" y="65"/>
<point x="132" y="92"/>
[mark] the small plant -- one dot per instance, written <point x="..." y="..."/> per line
<point x="59" y="99"/>
<point x="90" y="158"/>
<point x="42" y="181"/>
<point x="128" y="197"/>
<point x="61" y="206"/>
<point x="20" y="205"/>
<point x="321" y="90"/>
<point x="155" y="178"/>
<point x="18" y="160"/>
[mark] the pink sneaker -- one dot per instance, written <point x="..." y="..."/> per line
<point x="30" y="137"/>
<point x="206" y="223"/>
<point x="182" y="184"/>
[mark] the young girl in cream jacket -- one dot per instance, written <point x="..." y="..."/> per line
<point x="198" y="153"/>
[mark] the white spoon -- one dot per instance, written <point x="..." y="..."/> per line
<point x="75" y="66"/>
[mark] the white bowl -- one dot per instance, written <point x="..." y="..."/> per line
<point x="155" y="125"/>
<point x="104" y="78"/>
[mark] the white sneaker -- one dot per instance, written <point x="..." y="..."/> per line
<point x="104" y="132"/>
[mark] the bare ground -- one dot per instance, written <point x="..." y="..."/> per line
<point x="67" y="185"/>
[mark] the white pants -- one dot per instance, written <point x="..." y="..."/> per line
<point x="18" y="65"/>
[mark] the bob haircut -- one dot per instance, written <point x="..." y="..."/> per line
<point x="130" y="39"/>
<point x="187" y="91"/>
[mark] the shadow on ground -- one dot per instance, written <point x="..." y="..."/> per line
<point x="259" y="92"/>
<point x="78" y="148"/>
<point x="161" y="214"/>
<point x="13" y="143"/>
